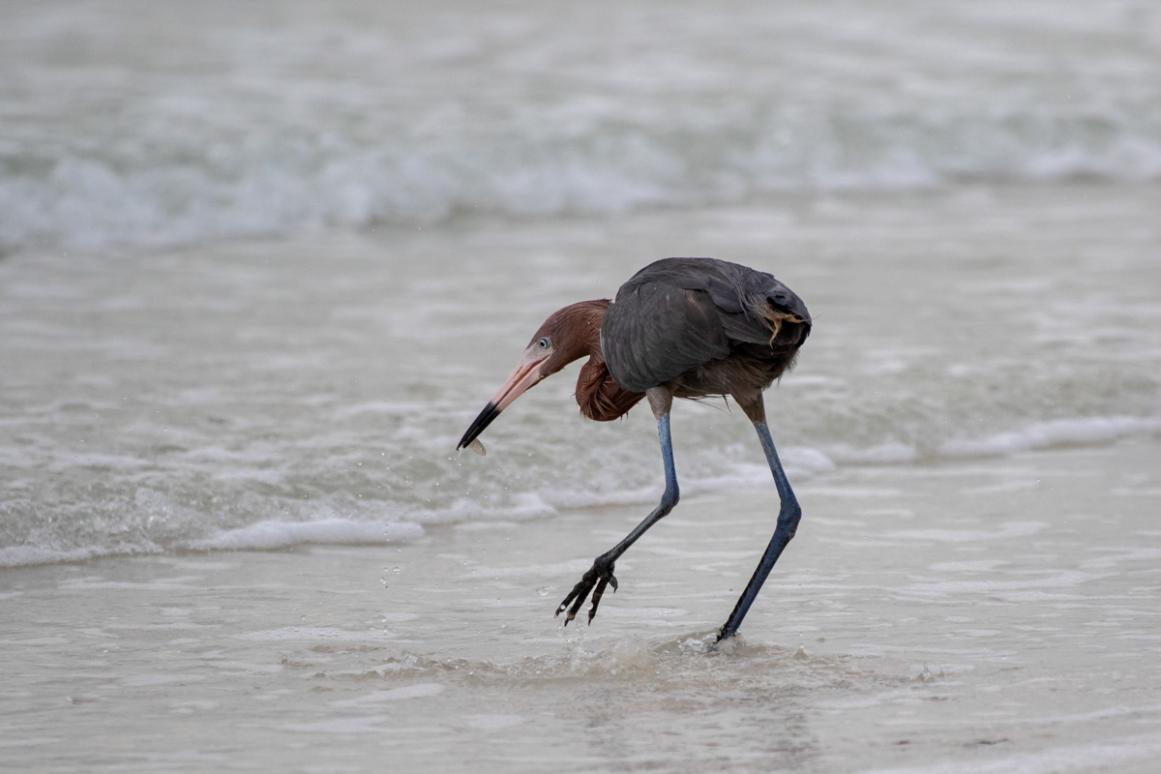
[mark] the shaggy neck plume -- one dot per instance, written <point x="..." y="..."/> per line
<point x="577" y="329"/>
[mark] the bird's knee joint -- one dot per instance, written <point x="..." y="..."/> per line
<point x="788" y="519"/>
<point x="669" y="500"/>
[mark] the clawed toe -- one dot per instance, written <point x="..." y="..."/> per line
<point x="596" y="580"/>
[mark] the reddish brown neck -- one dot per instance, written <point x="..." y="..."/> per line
<point x="575" y="332"/>
<point x="597" y="393"/>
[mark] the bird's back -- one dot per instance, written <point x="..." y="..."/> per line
<point x="689" y="320"/>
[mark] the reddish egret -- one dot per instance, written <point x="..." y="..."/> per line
<point x="679" y="328"/>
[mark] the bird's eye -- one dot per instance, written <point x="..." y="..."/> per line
<point x="543" y="342"/>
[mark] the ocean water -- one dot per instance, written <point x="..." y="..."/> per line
<point x="266" y="394"/>
<point x="263" y="265"/>
<point x="960" y="617"/>
<point x="144" y="123"/>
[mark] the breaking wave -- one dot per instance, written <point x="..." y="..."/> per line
<point x="386" y="523"/>
<point x="244" y="126"/>
<point x="261" y="190"/>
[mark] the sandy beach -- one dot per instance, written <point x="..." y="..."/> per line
<point x="998" y="615"/>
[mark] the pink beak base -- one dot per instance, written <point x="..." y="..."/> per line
<point x="523" y="377"/>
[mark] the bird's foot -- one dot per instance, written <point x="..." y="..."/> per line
<point x="595" y="580"/>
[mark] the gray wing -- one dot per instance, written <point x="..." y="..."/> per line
<point x="657" y="331"/>
<point x="679" y="313"/>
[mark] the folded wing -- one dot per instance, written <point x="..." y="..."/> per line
<point x="679" y="313"/>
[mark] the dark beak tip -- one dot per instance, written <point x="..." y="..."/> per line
<point x="484" y="419"/>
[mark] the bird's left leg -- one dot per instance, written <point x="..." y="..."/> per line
<point x="601" y="575"/>
<point x="789" y="515"/>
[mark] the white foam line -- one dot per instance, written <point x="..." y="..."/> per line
<point x="266" y="535"/>
<point x="262" y="536"/>
<point x="802" y="463"/>
<point x="25" y="556"/>
<point x="1086" y="431"/>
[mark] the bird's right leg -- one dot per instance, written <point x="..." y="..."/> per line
<point x="601" y="575"/>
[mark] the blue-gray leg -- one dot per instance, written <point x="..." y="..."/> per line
<point x="601" y="574"/>
<point x="788" y="517"/>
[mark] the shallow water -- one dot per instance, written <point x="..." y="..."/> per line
<point x="277" y="393"/>
<point x="971" y="222"/>
<point x="261" y="266"/>
<point x="958" y="617"/>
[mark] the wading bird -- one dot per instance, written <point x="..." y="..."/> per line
<point x="679" y="328"/>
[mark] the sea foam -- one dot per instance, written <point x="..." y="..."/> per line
<point x="1054" y="434"/>
<point x="803" y="464"/>
<point x="272" y="534"/>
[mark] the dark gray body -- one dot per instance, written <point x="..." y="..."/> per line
<point x="700" y="326"/>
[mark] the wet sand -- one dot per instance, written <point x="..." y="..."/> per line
<point x="989" y="615"/>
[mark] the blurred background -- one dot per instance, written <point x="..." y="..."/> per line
<point x="144" y="123"/>
<point x="261" y="263"/>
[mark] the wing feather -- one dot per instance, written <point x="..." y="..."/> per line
<point x="656" y="332"/>
<point x="679" y="313"/>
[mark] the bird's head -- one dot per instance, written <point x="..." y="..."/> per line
<point x="567" y="335"/>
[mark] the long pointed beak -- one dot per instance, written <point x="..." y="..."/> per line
<point x="524" y="376"/>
